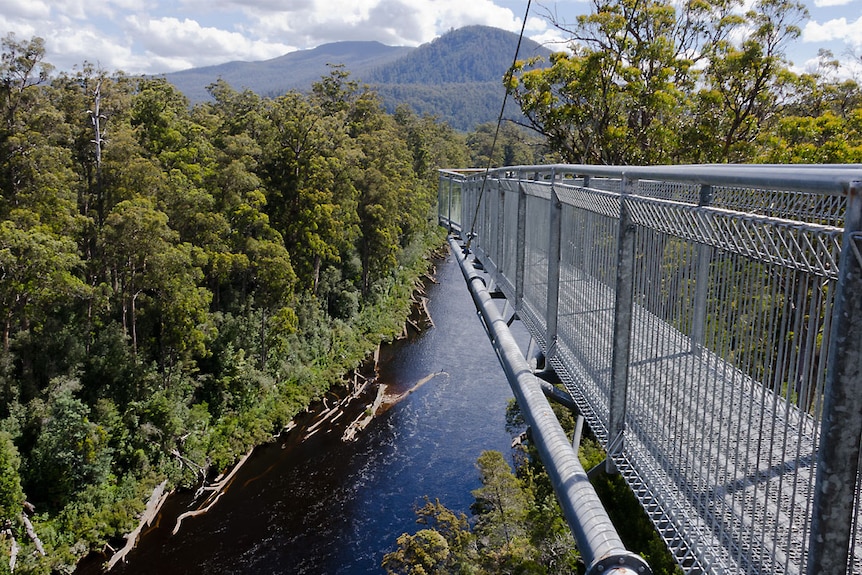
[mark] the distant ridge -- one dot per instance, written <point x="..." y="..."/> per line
<point x="456" y="77"/>
<point x="292" y="71"/>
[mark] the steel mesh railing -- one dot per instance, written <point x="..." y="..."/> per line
<point x="732" y="279"/>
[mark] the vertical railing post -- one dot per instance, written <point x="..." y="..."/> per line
<point x="841" y="424"/>
<point x="701" y="293"/>
<point x="520" y="245"/>
<point x="449" y="204"/>
<point x="622" y="323"/>
<point x="554" y="233"/>
<point x="501" y="231"/>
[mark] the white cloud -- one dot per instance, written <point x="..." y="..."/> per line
<point x="828" y="3"/>
<point x="153" y="36"/>
<point x="25" y="9"/>
<point x="71" y="47"/>
<point x="837" y="30"/>
<point x="174" y="44"/>
<point x="395" y="22"/>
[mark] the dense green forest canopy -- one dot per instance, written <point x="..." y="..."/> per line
<point x="177" y="282"/>
<point x="657" y="82"/>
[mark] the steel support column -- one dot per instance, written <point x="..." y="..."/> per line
<point x="520" y="246"/>
<point x="701" y="293"/>
<point x="555" y="217"/>
<point x="841" y="426"/>
<point x="622" y="324"/>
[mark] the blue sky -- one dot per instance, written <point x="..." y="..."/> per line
<point x="156" y="36"/>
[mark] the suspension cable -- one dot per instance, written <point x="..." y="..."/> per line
<point x="507" y="79"/>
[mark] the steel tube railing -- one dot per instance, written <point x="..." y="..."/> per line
<point x="600" y="545"/>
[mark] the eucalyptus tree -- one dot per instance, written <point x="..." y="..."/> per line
<point x="615" y="98"/>
<point x="387" y="187"/>
<point x="310" y="197"/>
<point x="155" y="276"/>
<point x="11" y="494"/>
<point x="657" y="82"/>
<point x="820" y="122"/>
<point x="741" y="84"/>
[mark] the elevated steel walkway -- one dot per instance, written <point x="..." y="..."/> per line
<point x="707" y="322"/>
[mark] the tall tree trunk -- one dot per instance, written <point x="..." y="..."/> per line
<point x="317" y="264"/>
<point x="263" y="339"/>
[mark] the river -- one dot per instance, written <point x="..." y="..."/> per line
<point x="323" y="506"/>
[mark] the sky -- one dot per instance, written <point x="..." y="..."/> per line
<point x="160" y="36"/>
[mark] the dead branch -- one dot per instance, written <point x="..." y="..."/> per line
<point x="154" y="504"/>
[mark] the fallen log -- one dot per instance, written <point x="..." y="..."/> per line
<point x="215" y="490"/>
<point x="427" y="313"/>
<point x="154" y="504"/>
<point x="31" y="533"/>
<point x="363" y="420"/>
<point x="13" y="551"/>
<point x="222" y="483"/>
<point x="393" y="399"/>
<point x="13" y="554"/>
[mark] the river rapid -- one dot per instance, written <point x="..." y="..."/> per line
<point x="323" y="506"/>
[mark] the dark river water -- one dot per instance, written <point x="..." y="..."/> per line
<point x="323" y="506"/>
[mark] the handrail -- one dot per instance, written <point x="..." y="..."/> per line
<point x="813" y="178"/>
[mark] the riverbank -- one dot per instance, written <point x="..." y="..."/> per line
<point x="356" y="398"/>
<point x="315" y="505"/>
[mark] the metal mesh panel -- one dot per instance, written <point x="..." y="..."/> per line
<point x="443" y="198"/>
<point x="509" y="196"/>
<point x="676" y="191"/>
<point x="604" y="203"/>
<point x="586" y="306"/>
<point x="810" y="248"/>
<point x="792" y="205"/>
<point x="606" y="184"/>
<point x="731" y="423"/>
<point x="787" y="204"/>
<point x="538" y="189"/>
<point x="456" y="204"/>
<point x="536" y="261"/>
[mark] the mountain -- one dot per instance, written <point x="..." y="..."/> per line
<point x="293" y="71"/>
<point x="464" y="56"/>
<point x="456" y="77"/>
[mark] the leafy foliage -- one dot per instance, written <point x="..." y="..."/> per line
<point x="177" y="283"/>
<point x="658" y="83"/>
<point x="518" y="526"/>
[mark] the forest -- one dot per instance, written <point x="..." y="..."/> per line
<point x="177" y="282"/>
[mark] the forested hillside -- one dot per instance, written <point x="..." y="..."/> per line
<point x="177" y="283"/>
<point x="473" y="54"/>
<point x="292" y="71"/>
<point x="457" y="77"/>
